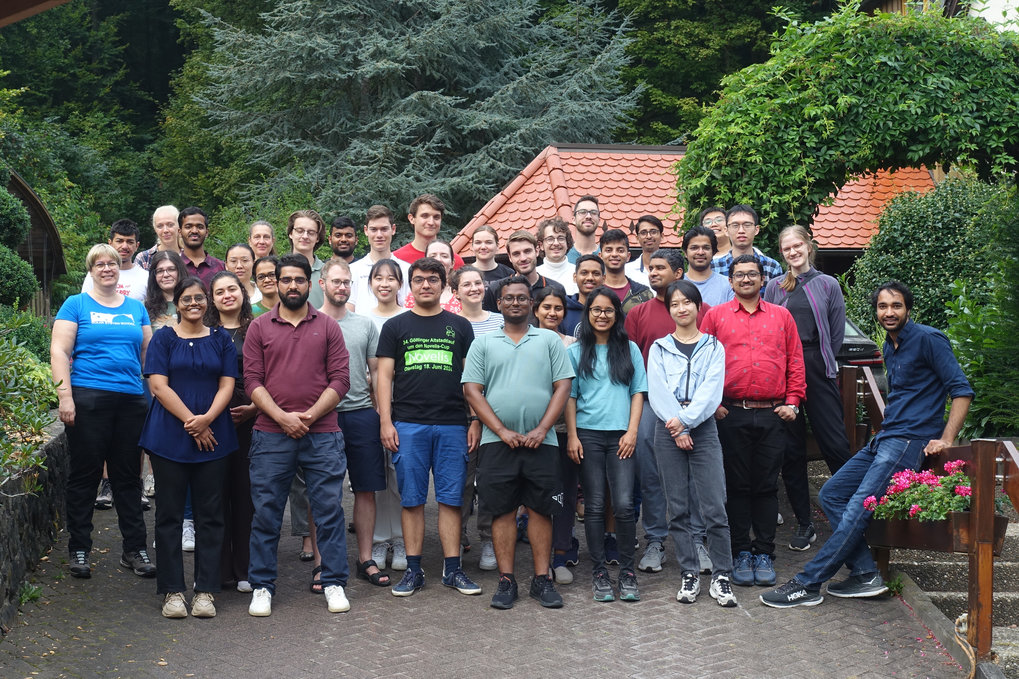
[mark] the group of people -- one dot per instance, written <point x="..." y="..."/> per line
<point x="674" y="388"/>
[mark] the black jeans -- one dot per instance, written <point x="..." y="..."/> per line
<point x="206" y="481"/>
<point x="107" y="426"/>
<point x="823" y="407"/>
<point x="604" y="475"/>
<point x="753" y="447"/>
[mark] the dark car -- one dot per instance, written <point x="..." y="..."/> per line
<point x="859" y="350"/>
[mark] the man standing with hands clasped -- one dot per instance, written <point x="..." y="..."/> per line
<point x="517" y="380"/>
<point x="922" y="373"/>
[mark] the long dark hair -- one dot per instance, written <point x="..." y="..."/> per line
<point x="212" y="318"/>
<point x="155" y="302"/>
<point x="620" y="364"/>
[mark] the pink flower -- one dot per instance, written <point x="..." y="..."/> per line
<point x="964" y="491"/>
<point x="914" y="510"/>
<point x="954" y="466"/>
<point x="870" y="503"/>
<point x="883" y="500"/>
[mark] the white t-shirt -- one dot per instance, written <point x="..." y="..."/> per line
<point x="561" y="272"/>
<point x="360" y="292"/>
<point x="132" y="282"/>
<point x="636" y="271"/>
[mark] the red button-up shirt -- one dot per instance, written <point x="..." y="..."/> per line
<point x="763" y="354"/>
<point x="296" y="364"/>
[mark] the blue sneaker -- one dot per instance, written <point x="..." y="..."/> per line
<point x="411" y="582"/>
<point x="611" y="550"/>
<point x="573" y="553"/>
<point x="764" y="570"/>
<point x="743" y="570"/>
<point x="522" y="529"/>
<point x="459" y="581"/>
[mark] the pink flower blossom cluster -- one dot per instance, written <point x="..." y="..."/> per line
<point x="954" y="466"/>
<point x="914" y="510"/>
<point x="870" y="503"/>
<point x="901" y="481"/>
<point x="964" y="491"/>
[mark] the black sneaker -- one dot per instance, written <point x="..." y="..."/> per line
<point x="805" y="536"/>
<point x="792" y="594"/>
<point x="138" y="562"/>
<point x="506" y="595"/>
<point x="79" y="565"/>
<point x="544" y="591"/>
<point x="858" y="586"/>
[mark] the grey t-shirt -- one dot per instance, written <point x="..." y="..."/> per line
<point x="362" y="339"/>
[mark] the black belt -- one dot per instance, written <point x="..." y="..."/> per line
<point x="747" y="404"/>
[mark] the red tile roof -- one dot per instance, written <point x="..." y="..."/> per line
<point x="631" y="181"/>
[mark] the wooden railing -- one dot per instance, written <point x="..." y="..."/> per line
<point x="983" y="457"/>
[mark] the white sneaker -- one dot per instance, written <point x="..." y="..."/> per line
<point x="202" y="606"/>
<point x="399" y="562"/>
<point x="380" y="550"/>
<point x="336" y="599"/>
<point x="691" y="588"/>
<point x="243" y="586"/>
<point x="187" y="537"/>
<point x="261" y="603"/>
<point x="149" y="486"/>
<point x="174" y="606"/>
<point x="721" y="591"/>
<point x="488" y="562"/>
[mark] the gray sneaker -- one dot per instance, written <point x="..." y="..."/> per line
<point x="654" y="557"/>
<point x="487" y="562"/>
<point x="602" y="587"/>
<point x="703" y="558"/>
<point x="628" y="589"/>
<point x="104" y="498"/>
<point x="858" y="586"/>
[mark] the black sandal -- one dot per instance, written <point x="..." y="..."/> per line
<point x="316" y="585"/>
<point x="379" y="579"/>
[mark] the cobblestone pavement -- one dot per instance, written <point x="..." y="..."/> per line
<point x="110" y="626"/>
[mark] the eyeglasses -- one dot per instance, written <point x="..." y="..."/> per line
<point x="647" y="233"/>
<point x="192" y="299"/>
<point x="287" y="280"/>
<point x="552" y="240"/>
<point x="720" y="221"/>
<point x="343" y="283"/>
<point x="585" y="213"/>
<point x="749" y="275"/>
<point x="431" y="280"/>
<point x="742" y="226"/>
<point x="166" y="271"/>
<point x="265" y="276"/>
<point x="516" y="299"/>
<point x="106" y="265"/>
<point x="305" y="232"/>
<point x="598" y="311"/>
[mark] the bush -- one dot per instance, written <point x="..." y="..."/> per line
<point x="927" y="241"/>
<point x="14" y="220"/>
<point x="983" y="324"/>
<point x="17" y="280"/>
<point x="27" y="329"/>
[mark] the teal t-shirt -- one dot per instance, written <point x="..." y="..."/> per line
<point x="602" y="404"/>
<point x="108" y="346"/>
<point x="517" y="377"/>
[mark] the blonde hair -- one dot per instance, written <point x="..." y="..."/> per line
<point x="788" y="282"/>
<point x="101" y="250"/>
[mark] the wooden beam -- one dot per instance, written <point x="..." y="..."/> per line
<point x="16" y="10"/>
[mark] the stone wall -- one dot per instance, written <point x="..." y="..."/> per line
<point x="29" y="524"/>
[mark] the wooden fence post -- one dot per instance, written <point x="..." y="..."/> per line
<point x="981" y="548"/>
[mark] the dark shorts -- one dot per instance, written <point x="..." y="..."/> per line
<point x="366" y="461"/>
<point x="510" y="477"/>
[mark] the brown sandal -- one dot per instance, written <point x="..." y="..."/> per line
<point x="379" y="579"/>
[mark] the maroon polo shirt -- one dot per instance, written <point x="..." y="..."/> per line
<point x="206" y="269"/>
<point x="650" y="321"/>
<point x="296" y="364"/>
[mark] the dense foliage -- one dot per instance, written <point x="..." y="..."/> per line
<point x="927" y="241"/>
<point x="849" y="95"/>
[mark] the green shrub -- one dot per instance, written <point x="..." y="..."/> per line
<point x="28" y="330"/>
<point x="14" y="220"/>
<point x="927" y="241"/>
<point x="17" y="280"/>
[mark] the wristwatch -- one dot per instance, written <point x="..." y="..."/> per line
<point x="795" y="409"/>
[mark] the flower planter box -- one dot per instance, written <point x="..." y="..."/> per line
<point x="948" y="535"/>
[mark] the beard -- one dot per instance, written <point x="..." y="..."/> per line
<point x="294" y="302"/>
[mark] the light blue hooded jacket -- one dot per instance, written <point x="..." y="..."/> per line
<point x="674" y="379"/>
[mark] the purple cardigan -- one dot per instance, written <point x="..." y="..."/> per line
<point x="829" y="307"/>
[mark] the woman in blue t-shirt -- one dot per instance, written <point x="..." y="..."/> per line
<point x="102" y="406"/>
<point x="189" y="436"/>
<point x="601" y="420"/>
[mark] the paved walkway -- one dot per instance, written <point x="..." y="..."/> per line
<point x="110" y="626"/>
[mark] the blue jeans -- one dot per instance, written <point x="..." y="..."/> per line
<point x="274" y="461"/>
<point x="867" y="473"/>
<point x="682" y="471"/>
<point x="602" y="472"/>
